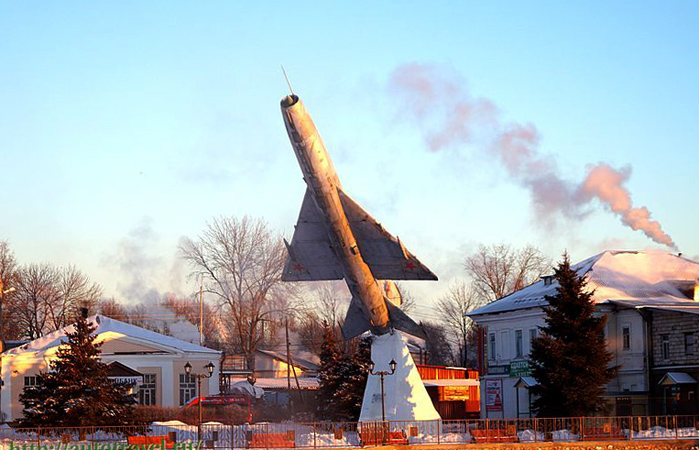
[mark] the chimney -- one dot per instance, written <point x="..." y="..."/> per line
<point x="696" y="290"/>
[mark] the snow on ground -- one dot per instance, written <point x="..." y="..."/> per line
<point x="447" y="438"/>
<point x="309" y="436"/>
<point x="659" y="432"/>
<point x="564" y="435"/>
<point x="529" y="436"/>
<point x="327" y="440"/>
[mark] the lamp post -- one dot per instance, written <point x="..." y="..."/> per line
<point x="381" y="374"/>
<point x="210" y="371"/>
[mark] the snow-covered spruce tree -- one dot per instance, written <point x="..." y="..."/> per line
<point x="570" y="360"/>
<point x="76" y="390"/>
<point x="350" y="393"/>
<point x="332" y="365"/>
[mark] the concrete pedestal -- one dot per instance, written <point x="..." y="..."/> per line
<point x="405" y="395"/>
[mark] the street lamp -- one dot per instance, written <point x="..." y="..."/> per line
<point x="381" y="374"/>
<point x="210" y="371"/>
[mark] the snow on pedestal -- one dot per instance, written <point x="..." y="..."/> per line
<point x="406" y="396"/>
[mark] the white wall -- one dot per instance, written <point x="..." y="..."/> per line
<point x="632" y="376"/>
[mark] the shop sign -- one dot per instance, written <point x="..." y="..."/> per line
<point x="455" y="393"/>
<point x="520" y="369"/>
<point x="499" y="370"/>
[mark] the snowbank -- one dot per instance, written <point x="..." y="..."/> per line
<point x="529" y="436"/>
<point x="564" y="435"/>
<point x="659" y="432"/>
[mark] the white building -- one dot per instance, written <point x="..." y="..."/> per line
<point x="627" y="284"/>
<point x="158" y="359"/>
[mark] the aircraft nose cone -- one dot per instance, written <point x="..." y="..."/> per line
<point x="289" y="100"/>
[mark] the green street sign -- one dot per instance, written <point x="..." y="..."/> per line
<point x="520" y="369"/>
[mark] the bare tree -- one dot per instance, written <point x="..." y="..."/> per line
<point x="111" y="308"/>
<point x="189" y="308"/>
<point x="36" y="294"/>
<point x="48" y="298"/>
<point x="452" y="309"/>
<point x="439" y="351"/>
<point x="75" y="292"/>
<point x="311" y="330"/>
<point x="8" y="286"/>
<point x="499" y="270"/>
<point x="332" y="300"/>
<point x="241" y="262"/>
<point x="408" y="303"/>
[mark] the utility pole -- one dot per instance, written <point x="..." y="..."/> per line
<point x="201" y="312"/>
<point x="288" y="363"/>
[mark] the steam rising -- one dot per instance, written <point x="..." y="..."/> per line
<point x="447" y="116"/>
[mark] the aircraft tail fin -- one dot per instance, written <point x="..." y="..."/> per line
<point x="401" y="321"/>
<point x="356" y="322"/>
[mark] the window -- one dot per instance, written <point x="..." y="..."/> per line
<point x="146" y="392"/>
<point x="626" y="337"/>
<point x="689" y="344"/>
<point x="188" y="388"/>
<point x="666" y="346"/>
<point x="505" y="344"/>
<point x="519" y="352"/>
<point x="31" y="381"/>
<point x="491" y="346"/>
<point x="533" y="334"/>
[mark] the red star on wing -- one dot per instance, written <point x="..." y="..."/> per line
<point x="298" y="267"/>
<point x="410" y="265"/>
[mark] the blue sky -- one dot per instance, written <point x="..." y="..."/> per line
<point x="127" y="125"/>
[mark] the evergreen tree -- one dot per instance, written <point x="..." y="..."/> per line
<point x="76" y="390"/>
<point x="350" y="393"/>
<point x="342" y="377"/>
<point x="332" y="366"/>
<point x="570" y="360"/>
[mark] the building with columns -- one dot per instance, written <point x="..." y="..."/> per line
<point x="154" y="361"/>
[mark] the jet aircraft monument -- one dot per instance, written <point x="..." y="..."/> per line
<point x="336" y="239"/>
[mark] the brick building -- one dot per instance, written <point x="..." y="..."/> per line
<point x="674" y="361"/>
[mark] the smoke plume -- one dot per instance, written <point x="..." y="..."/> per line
<point x="447" y="116"/>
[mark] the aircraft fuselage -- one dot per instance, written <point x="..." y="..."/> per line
<point x="323" y="182"/>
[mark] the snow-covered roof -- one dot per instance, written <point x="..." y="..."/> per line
<point x="303" y="361"/>
<point x="281" y="383"/>
<point x="636" y="277"/>
<point x="526" y="382"/>
<point x="452" y="382"/>
<point x="108" y="325"/>
<point x="671" y="378"/>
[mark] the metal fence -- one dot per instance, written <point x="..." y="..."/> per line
<point x="174" y="435"/>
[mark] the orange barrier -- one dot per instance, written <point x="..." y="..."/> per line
<point x="603" y="433"/>
<point x="493" y="435"/>
<point x="376" y="437"/>
<point x="271" y="440"/>
<point x="150" y="440"/>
